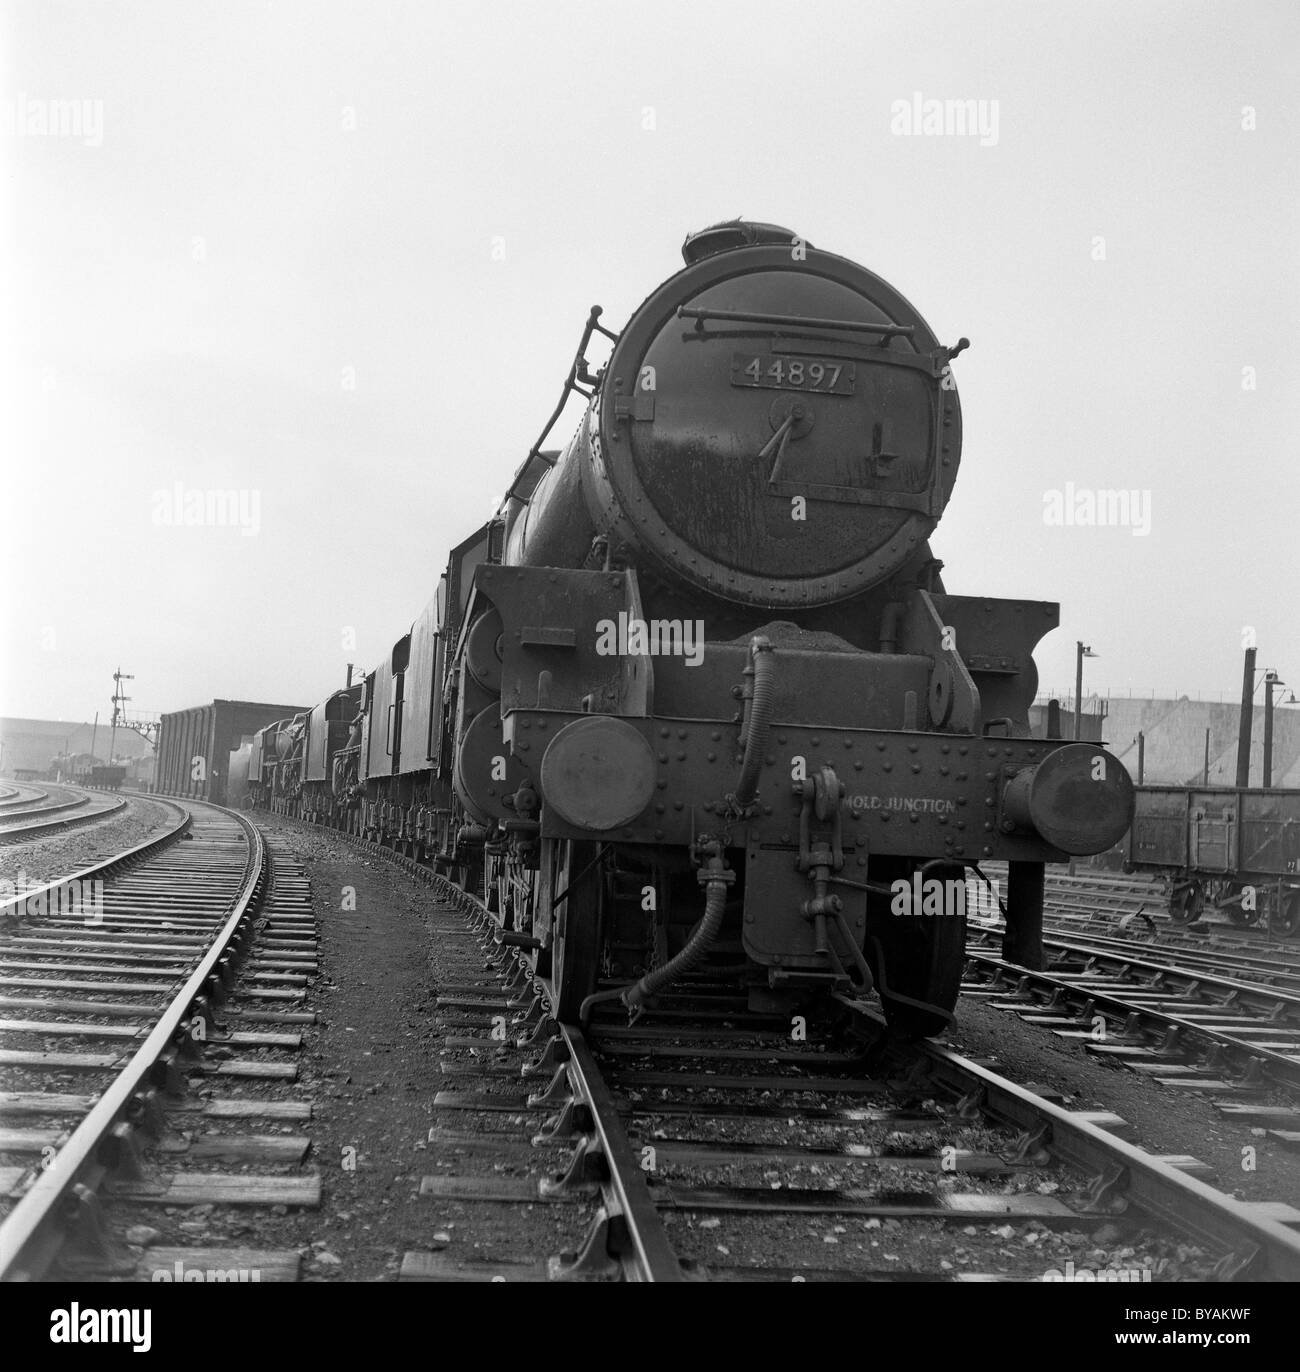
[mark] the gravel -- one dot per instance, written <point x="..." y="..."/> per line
<point x="47" y="859"/>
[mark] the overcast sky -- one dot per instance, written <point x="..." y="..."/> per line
<point x="337" y="257"/>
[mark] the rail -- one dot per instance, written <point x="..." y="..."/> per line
<point x="29" y="1236"/>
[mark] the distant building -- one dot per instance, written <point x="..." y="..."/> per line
<point x="32" y="745"/>
<point x="1174" y="738"/>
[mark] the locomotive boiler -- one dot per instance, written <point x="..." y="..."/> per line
<point x="699" y="690"/>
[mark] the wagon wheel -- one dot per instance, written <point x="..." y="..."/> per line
<point x="1186" y="903"/>
<point x="1228" y="897"/>
<point x="579" y="882"/>
<point x="1285" y="919"/>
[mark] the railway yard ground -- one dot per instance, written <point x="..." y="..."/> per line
<point x="376" y="1053"/>
<point x="394" y="1118"/>
<point x="385" y="1072"/>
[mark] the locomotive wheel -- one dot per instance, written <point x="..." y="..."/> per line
<point x="924" y="957"/>
<point x="1186" y="903"/>
<point x="576" y="940"/>
<point x="1285" y="919"/>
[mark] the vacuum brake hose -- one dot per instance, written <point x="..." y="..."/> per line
<point x="715" y="876"/>
<point x="689" y="957"/>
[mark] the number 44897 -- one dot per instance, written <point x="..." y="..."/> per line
<point x="792" y="373"/>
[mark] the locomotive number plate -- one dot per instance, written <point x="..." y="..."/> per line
<point x="829" y="375"/>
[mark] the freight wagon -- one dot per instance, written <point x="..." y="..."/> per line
<point x="1228" y="848"/>
<point x="194" y="746"/>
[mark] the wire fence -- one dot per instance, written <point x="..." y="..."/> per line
<point x="1173" y="697"/>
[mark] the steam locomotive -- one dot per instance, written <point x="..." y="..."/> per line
<point x="698" y="689"/>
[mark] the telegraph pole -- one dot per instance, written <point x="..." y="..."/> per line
<point x="1246" y="720"/>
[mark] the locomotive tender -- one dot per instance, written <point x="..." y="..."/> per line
<point x="699" y="685"/>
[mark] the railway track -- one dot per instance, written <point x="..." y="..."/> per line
<point x="1224" y="1023"/>
<point x="1265" y="972"/>
<point x="16" y="797"/>
<point x="110" y="983"/>
<point x="1183" y="1026"/>
<point x="48" y="802"/>
<point x="1137" y="907"/>
<point x="49" y="813"/>
<point x="706" y="1143"/>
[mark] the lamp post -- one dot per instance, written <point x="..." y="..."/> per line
<point x="1271" y="679"/>
<point x="1081" y="651"/>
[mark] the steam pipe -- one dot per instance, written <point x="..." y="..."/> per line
<point x="762" y="666"/>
